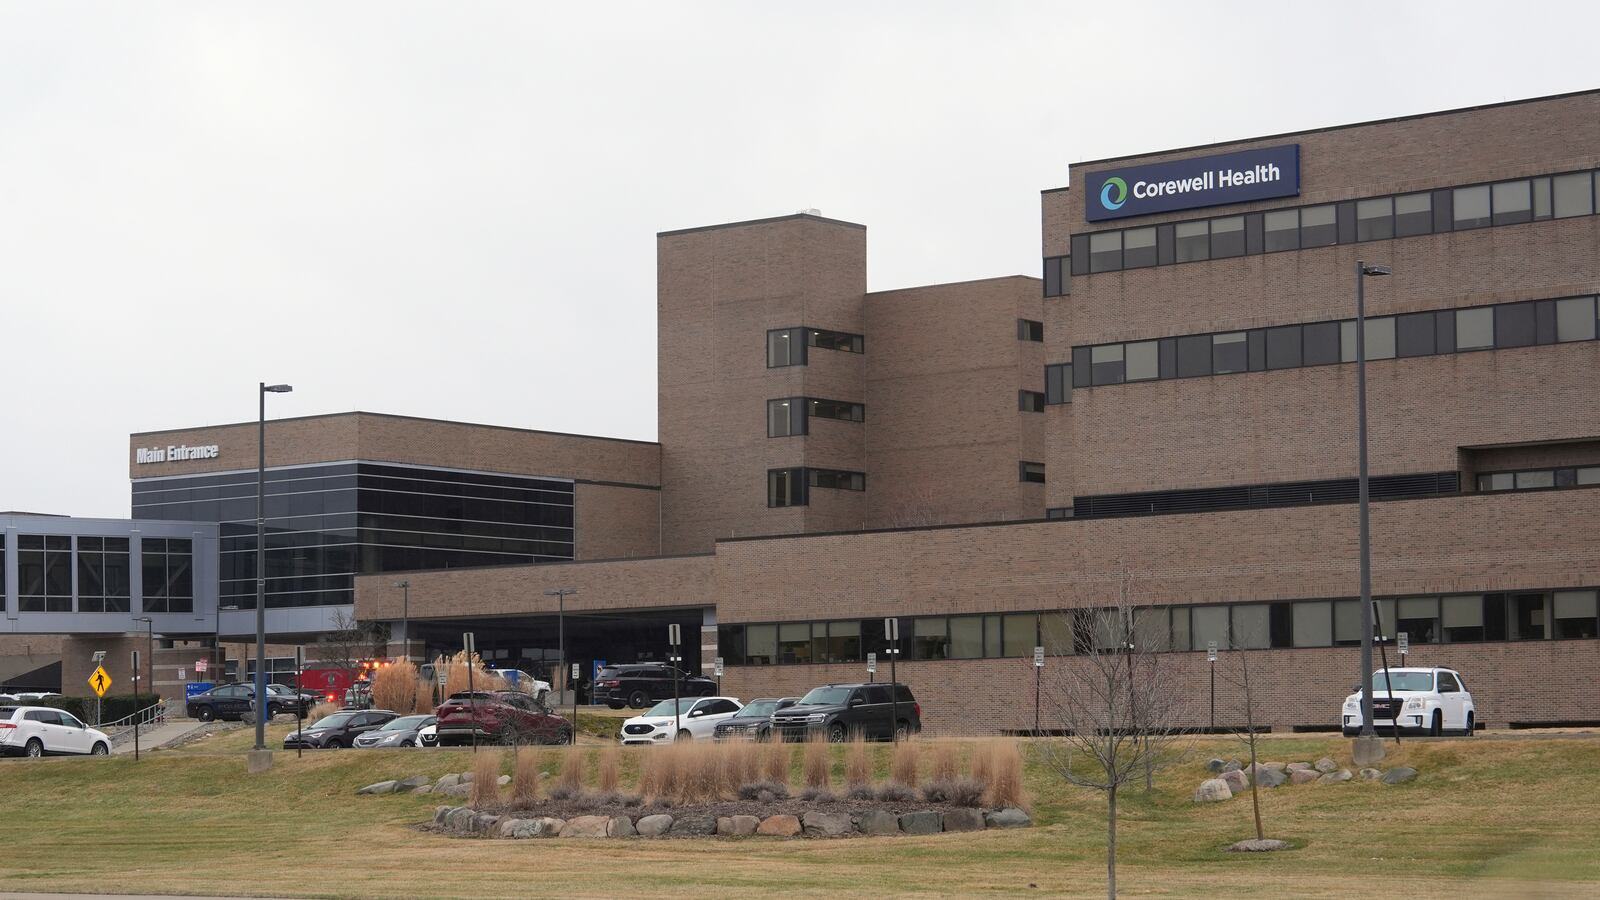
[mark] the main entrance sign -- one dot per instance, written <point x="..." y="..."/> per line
<point x="1190" y="183"/>
<point x="174" y="453"/>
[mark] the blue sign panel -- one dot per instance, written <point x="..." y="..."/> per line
<point x="196" y="687"/>
<point x="1189" y="183"/>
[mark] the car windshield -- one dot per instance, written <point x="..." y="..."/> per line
<point x="664" y="708"/>
<point x="826" y="696"/>
<point x="336" y="720"/>
<point x="758" y="709"/>
<point x="1401" y="681"/>
<point x="406" y="723"/>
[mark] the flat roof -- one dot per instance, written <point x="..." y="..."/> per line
<point x="1328" y="128"/>
<point x="800" y="215"/>
<point x="358" y="412"/>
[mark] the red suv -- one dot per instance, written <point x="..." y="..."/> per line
<point x="499" y="717"/>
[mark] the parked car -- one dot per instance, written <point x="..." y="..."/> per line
<point x="1417" y="701"/>
<point x="287" y="698"/>
<point x="695" y="718"/>
<point x="841" y="711"/>
<point x="428" y="735"/>
<point x="499" y="717"/>
<point x="338" y="729"/>
<point x="753" y="722"/>
<point x="237" y="701"/>
<point x="401" y="732"/>
<point x="43" y="731"/>
<point x="639" y="684"/>
<point x="518" y="680"/>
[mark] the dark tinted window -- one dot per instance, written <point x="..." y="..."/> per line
<point x="1194" y="355"/>
<point x="1514" y="325"/>
<point x="1283" y="347"/>
<point x="1414" y="334"/>
<point x="1227" y="237"/>
<point x="1321" y="343"/>
<point x="1029" y="330"/>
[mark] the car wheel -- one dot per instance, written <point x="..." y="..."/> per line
<point x="614" y="705"/>
<point x="411" y="744"/>
<point x="1437" y="728"/>
<point x="638" y="699"/>
<point x="902" y="730"/>
<point x="100" y="749"/>
<point x="684" y="735"/>
<point x="1470" y="726"/>
<point x="837" y="734"/>
<point x="35" y="748"/>
<point x="205" y="714"/>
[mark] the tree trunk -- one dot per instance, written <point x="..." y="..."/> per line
<point x="1255" y="793"/>
<point x="1111" y="843"/>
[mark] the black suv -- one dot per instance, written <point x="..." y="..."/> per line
<point x="640" y="684"/>
<point x="237" y="701"/>
<point x="842" y="711"/>
<point x="753" y="722"/>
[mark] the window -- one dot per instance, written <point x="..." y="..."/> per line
<point x="1418" y="617"/>
<point x="1471" y="205"/>
<point x="1538" y="478"/>
<point x="1227" y="237"/>
<point x="1193" y="241"/>
<point x="1030" y="401"/>
<point x="836" y="409"/>
<point x="785" y="417"/>
<point x="786" y="487"/>
<point x="1229" y="353"/>
<point x="1140" y="361"/>
<point x="1057" y="276"/>
<point x="761" y="645"/>
<point x="1032" y="472"/>
<point x="844" y="641"/>
<point x="1251" y="627"/>
<point x="1105" y="251"/>
<point x="1500" y="481"/>
<point x="1208" y="623"/>
<point x="1379" y="343"/>
<point x="1318" y="226"/>
<point x="1575" y="319"/>
<point x="1313" y="624"/>
<point x="1346" y="622"/>
<point x="1029" y="330"/>
<point x="1138" y="248"/>
<point x="1283" y="347"/>
<point x="1107" y="365"/>
<point x="1152" y="629"/>
<point x="1020" y="632"/>
<point x="1514" y="325"/>
<point x="1194" y="355"/>
<point x="167" y="575"/>
<point x="1321" y="344"/>
<point x="1282" y="229"/>
<point x="930" y="638"/>
<point x="1512" y="203"/>
<point x="794" y="642"/>
<point x="837" y="479"/>
<point x="1575" y="614"/>
<point x="785" y="348"/>
<point x="1571" y="195"/>
<point x="44" y="573"/>
<point x="1474" y="328"/>
<point x="104" y="576"/>
<point x="1375" y="219"/>
<point x="842" y="341"/>
<point x="1461" y="618"/>
<point x="1527" y="617"/>
<point x="1414" y="335"/>
<point x="1058" y="383"/>
<point x="966" y="637"/>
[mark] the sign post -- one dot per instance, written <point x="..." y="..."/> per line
<point x="674" y="637"/>
<point x="299" y="698"/>
<point x="1038" y="671"/>
<point x="891" y="633"/>
<point x="576" y="668"/>
<point x="99" y="689"/>
<point x="716" y="668"/>
<point x="469" y="649"/>
<point x="135" y="704"/>
<point x="1211" y="657"/>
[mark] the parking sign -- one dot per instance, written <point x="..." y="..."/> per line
<point x="872" y="663"/>
<point x="1404" y="640"/>
<point x="1038" y="657"/>
<point x="716" y="666"/>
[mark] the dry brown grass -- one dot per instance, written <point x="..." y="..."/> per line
<point x="684" y="772"/>
<point x="456" y="679"/>
<point x="903" y="765"/>
<point x="1005" y="780"/>
<point x="817" y="763"/>
<point x="395" y="687"/>
<point x="982" y="763"/>
<point x="524" y="777"/>
<point x="943" y="764"/>
<point x="486" y="766"/>
<point x="775" y="758"/>
<point x="857" y="765"/>
<point x="738" y="766"/>
<point x="425" y="704"/>
<point x="321" y="710"/>
<point x="610" y="770"/>
<point x="571" y="776"/>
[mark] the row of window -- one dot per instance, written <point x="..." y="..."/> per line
<point x="1520" y="324"/>
<point x="1405" y="486"/>
<point x="1539" y="479"/>
<point x="1468" y="618"/>
<point x="792" y="486"/>
<point x="790" y="416"/>
<point x="1351" y="221"/>
<point x="790" y="346"/>
<point x="45" y="567"/>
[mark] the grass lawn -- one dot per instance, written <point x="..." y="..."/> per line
<point x="1485" y="818"/>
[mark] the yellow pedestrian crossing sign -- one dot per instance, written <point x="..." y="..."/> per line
<point x="100" y="681"/>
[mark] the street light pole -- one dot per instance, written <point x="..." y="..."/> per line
<point x="261" y="556"/>
<point x="405" y="616"/>
<point x="1367" y="748"/>
<point x="561" y="595"/>
<point x="149" y="652"/>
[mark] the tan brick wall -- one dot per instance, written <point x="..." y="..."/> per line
<point x="614" y="522"/>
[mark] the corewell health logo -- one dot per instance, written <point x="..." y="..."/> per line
<point x="1224" y="178"/>
<point x="1114" y="193"/>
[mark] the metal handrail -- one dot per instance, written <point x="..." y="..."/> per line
<point x="154" y="714"/>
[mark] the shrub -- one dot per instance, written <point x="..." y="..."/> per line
<point x="425" y="704"/>
<point x="565" y="792"/>
<point x="661" y="776"/>
<point x="755" y="790"/>
<point x="524" y="777"/>
<point x="741" y="764"/>
<point x="894" y="792"/>
<point x="486" y="779"/>
<point x="818" y="795"/>
<point x="394" y="686"/>
<point x="1005" y="778"/>
<point x="817" y="764"/>
<point x="702" y="772"/>
<point x="321" y="710"/>
<point x="775" y="762"/>
<point x="857" y="765"/>
<point x="571" y="776"/>
<point x="903" y="766"/>
<point x="982" y="762"/>
<point x="861" y="792"/>
<point x="456" y="679"/>
<point x="943" y="767"/>
<point x="610" y="770"/>
<point x="955" y="791"/>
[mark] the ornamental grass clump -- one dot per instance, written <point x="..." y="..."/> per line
<point x="817" y="764"/>
<point x="857" y="765"/>
<point x="1005" y="777"/>
<point x="486" y="779"/>
<point x="524" y="777"/>
<point x="903" y="764"/>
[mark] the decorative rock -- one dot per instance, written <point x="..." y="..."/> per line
<point x="1254" y="770"/>
<point x="484" y="823"/>
<point x="1010" y="817"/>
<point x="382" y="787"/>
<point x="450" y="780"/>
<point x="503" y="780"/>
<point x="1297" y="766"/>
<point x="963" y="820"/>
<point x="412" y="783"/>
<point x="454" y="790"/>
<point x="439" y="812"/>
<point x="921" y="823"/>
<point x="1272" y="778"/>
<point x="653" y="826"/>
<point x="460" y="818"/>
<point x="508" y="827"/>
<point x="1215" y="766"/>
<point x="1212" y="790"/>
<point x="1335" y="777"/>
<point x="1237" y="780"/>
<point x="1370" y="774"/>
<point x="620" y="826"/>
<point x="464" y="778"/>
<point x="1326" y="765"/>
<point x="826" y="824"/>
<point x="878" y="821"/>
<point x="1233" y="765"/>
<point x="1399" y="775"/>
<point x="744" y="826"/>
<point x="694" y="825"/>
<point x="1255" y="846"/>
<point x="586" y="827"/>
<point x="1303" y="776"/>
<point x="779" y="826"/>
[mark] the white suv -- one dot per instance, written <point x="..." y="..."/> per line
<point x="1419" y="701"/>
<point x="696" y="719"/>
<point x="42" y="731"/>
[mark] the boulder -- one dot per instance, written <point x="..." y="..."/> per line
<point x="1303" y="776"/>
<point x="521" y="829"/>
<point x="963" y="820"/>
<point x="460" y="819"/>
<point x="1335" y="777"/>
<point x="503" y="780"/>
<point x="412" y="783"/>
<point x="382" y="787"/>
<point x="1232" y="765"/>
<point x="826" y="824"/>
<point x="1010" y="817"/>
<point x="1257" y="846"/>
<point x="653" y="826"/>
<point x="694" y="825"/>
<point x="1212" y="790"/>
<point x="1326" y="765"/>
<point x="779" y="826"/>
<point x="1254" y="770"/>
<point x="924" y="822"/>
<point x="483" y="823"/>
<point x="1237" y="780"/>
<point x="1215" y="766"/>
<point x="1297" y="766"/>
<point x="878" y="821"/>
<point x="1399" y="775"/>
<point x="450" y="780"/>
<point x="464" y="778"/>
<point x="454" y="790"/>
<point x="422" y="789"/>
<point x="439" y="812"/>
<point x="586" y="827"/>
<point x="738" y="826"/>
<point x="1369" y="774"/>
<point x="620" y="826"/>
<point x="1272" y="778"/>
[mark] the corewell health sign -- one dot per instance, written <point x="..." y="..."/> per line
<point x="1224" y="178"/>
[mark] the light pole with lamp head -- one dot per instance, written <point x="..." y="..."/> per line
<point x="150" y="653"/>
<point x="261" y="557"/>
<point x="1367" y="749"/>
<point x="405" y="616"/>
<point x="561" y="595"/>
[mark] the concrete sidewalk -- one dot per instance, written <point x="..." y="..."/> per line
<point x="159" y="736"/>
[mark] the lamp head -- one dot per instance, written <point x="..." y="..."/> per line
<point x="277" y="388"/>
<point x="403" y="584"/>
<point x="1376" y="270"/>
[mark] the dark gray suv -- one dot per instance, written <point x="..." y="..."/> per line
<point x="842" y="711"/>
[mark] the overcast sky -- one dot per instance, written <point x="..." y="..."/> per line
<point x="449" y="210"/>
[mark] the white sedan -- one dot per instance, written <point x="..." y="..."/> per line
<point x="1418" y="701"/>
<point x="696" y="718"/>
<point x="44" y="731"/>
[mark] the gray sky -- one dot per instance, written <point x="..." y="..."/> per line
<point x="449" y="210"/>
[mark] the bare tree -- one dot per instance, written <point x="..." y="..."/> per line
<point x="1238" y="677"/>
<point x="1119" y="709"/>
<point x="348" y="641"/>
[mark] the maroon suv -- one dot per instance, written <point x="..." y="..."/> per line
<point x="499" y="717"/>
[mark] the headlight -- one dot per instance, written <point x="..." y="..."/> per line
<point x="817" y="717"/>
<point x="1414" y="703"/>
